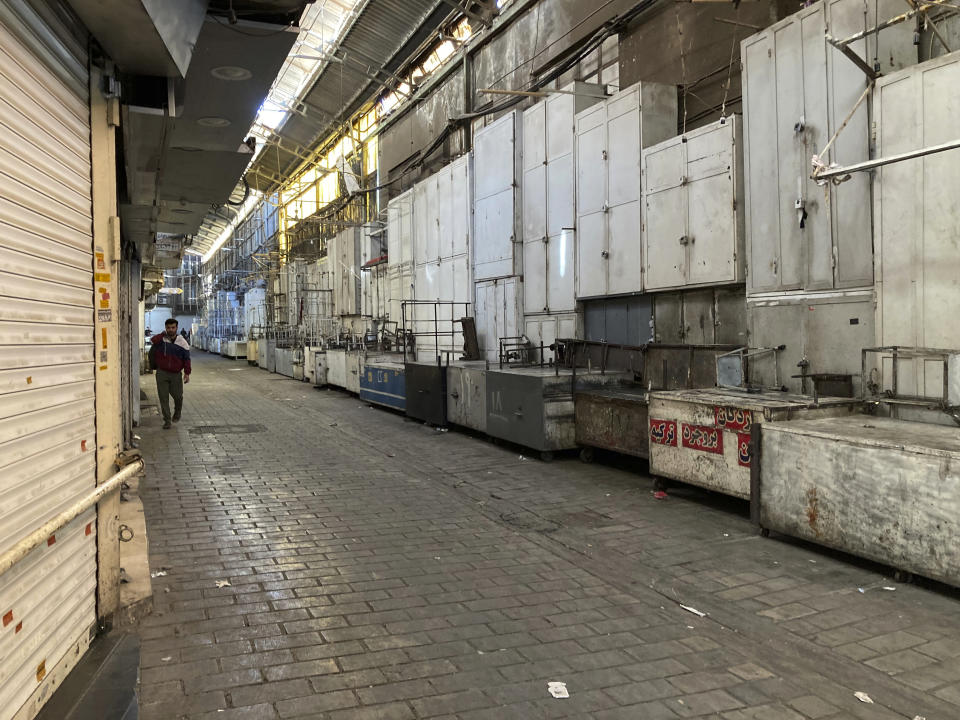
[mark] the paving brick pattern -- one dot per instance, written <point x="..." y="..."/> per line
<point x="341" y="562"/>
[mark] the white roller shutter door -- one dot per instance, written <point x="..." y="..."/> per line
<point x="47" y="431"/>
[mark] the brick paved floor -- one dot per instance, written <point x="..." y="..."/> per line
<point x="379" y="570"/>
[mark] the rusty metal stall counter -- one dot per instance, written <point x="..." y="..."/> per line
<point x="702" y="437"/>
<point x="883" y="489"/>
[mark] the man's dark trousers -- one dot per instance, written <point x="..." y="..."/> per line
<point x="170" y="384"/>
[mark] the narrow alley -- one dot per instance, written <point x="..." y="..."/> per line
<point x="325" y="559"/>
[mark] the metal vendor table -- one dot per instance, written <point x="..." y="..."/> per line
<point x="343" y="369"/>
<point x="235" y="349"/>
<point x="617" y="418"/>
<point x="382" y="382"/>
<point x="612" y="419"/>
<point x="426" y="391"/>
<point x="702" y="437"/>
<point x="533" y="406"/>
<point x="876" y="487"/>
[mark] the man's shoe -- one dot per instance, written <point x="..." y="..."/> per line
<point x="167" y="425"/>
<point x="176" y="417"/>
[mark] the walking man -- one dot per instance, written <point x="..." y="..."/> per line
<point x="169" y="355"/>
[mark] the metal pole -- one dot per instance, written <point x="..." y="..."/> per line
<point x="879" y="162"/>
<point x="19" y="551"/>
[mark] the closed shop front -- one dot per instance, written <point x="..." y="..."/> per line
<point x="47" y="352"/>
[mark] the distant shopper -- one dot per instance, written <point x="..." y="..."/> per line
<point x="170" y="355"/>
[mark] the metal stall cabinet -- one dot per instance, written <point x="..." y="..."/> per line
<point x="467" y="395"/>
<point x="612" y="419"/>
<point x="702" y="437"/>
<point x="549" y="199"/>
<point x="426" y="392"/>
<point x="284" y="361"/>
<point x="610" y="138"/>
<point x="916" y="219"/>
<point x="343" y="369"/>
<point x="533" y="406"/>
<point x="693" y="208"/>
<point x="253" y="352"/>
<point x="320" y="371"/>
<point x="497" y="313"/>
<point x="383" y="382"/>
<point x="883" y="489"/>
<point x="235" y="349"/>
<point x="617" y="418"/>
<point x="797" y="92"/>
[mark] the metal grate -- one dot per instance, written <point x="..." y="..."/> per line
<point x="226" y="429"/>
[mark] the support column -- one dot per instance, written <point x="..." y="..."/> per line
<point x="104" y="120"/>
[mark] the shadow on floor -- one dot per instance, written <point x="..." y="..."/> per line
<point x="103" y="684"/>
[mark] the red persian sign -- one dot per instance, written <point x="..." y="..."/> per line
<point x="730" y="418"/>
<point x="703" y="437"/>
<point x="743" y="449"/>
<point x="663" y="432"/>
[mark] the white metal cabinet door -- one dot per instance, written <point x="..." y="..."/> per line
<point x="665" y="219"/>
<point x="47" y="353"/>
<point x="591" y="161"/>
<point x="623" y="148"/>
<point x="495" y="151"/>
<point x="560" y="195"/>
<point x="535" y="276"/>
<point x="790" y="151"/>
<point x="462" y="214"/>
<point x="592" y="255"/>
<point x="534" y="201"/>
<point x="624" y="267"/>
<point x="712" y="223"/>
<point x="850" y="201"/>
<point x="426" y="245"/>
<point x="591" y="202"/>
<point x="399" y="228"/>
<point x="560" y="272"/>
<point x="559" y="130"/>
<point x="817" y="234"/>
<point x="445" y="212"/>
<point x="497" y="315"/>
<point x="760" y="168"/>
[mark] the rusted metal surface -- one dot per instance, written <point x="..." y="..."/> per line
<point x="878" y="488"/>
<point x="711" y="445"/>
<point x="613" y="419"/>
<point x="676" y="367"/>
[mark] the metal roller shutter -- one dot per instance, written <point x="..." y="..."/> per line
<point x="47" y="431"/>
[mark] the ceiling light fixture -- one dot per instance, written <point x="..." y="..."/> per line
<point x="213" y="122"/>
<point x="231" y="73"/>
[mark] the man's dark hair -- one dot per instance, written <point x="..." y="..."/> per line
<point x="171" y="321"/>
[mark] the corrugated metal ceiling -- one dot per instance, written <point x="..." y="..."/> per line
<point x="371" y="48"/>
<point x="380" y="37"/>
